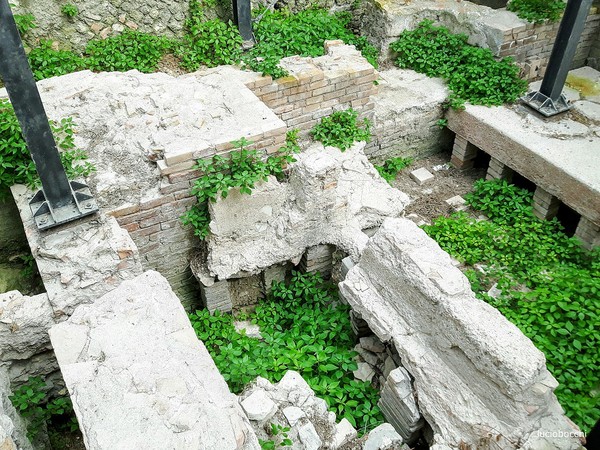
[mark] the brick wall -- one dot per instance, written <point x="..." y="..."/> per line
<point x="530" y="45"/>
<point x="594" y="56"/>
<point x="316" y="87"/>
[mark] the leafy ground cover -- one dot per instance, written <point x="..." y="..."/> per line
<point x="341" y="129"/>
<point x="550" y="285"/>
<point x="391" y="167"/>
<point x="16" y="165"/>
<point x="472" y="73"/>
<point x="32" y="402"/>
<point x="537" y="11"/>
<point x="207" y="42"/>
<point x="305" y="328"/>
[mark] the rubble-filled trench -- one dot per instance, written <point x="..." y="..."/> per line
<point x="113" y="325"/>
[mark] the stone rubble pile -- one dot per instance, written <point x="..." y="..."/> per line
<point x="292" y="403"/>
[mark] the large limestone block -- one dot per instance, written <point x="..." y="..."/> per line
<point x="330" y="197"/>
<point x="139" y="377"/>
<point x="79" y="261"/>
<point x="385" y="20"/>
<point x="474" y="372"/>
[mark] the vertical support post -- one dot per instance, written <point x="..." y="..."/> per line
<point x="56" y="203"/>
<point x="549" y="100"/>
<point x="242" y="15"/>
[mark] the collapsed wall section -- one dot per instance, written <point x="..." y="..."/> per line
<point x="476" y="375"/>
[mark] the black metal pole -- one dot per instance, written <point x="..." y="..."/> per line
<point x="565" y="46"/>
<point x="58" y="202"/>
<point x="26" y="101"/>
<point x="549" y="99"/>
<point x="242" y="15"/>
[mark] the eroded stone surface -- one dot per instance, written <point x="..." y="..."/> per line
<point x="464" y="356"/>
<point x="139" y="377"/>
<point x="80" y="261"/>
<point x="330" y="197"/>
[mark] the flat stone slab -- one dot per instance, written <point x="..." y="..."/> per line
<point x="561" y="155"/>
<point x="140" y="379"/>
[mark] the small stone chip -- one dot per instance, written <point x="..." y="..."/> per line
<point x="457" y="203"/>
<point x="258" y="406"/>
<point x="421" y="176"/>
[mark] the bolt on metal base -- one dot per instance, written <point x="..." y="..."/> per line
<point x="545" y="105"/>
<point x="46" y="216"/>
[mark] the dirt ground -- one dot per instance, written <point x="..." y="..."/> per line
<point x="428" y="200"/>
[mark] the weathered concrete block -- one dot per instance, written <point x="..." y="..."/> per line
<point x="462" y="353"/>
<point x="139" y="377"/>
<point x="13" y="431"/>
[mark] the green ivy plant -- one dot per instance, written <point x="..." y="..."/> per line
<point x="127" y="51"/>
<point x="537" y="11"/>
<point x="341" y="129"/>
<point x="280" y="438"/>
<point x="16" y="165"/>
<point x="391" y="167"/>
<point x="24" y="22"/>
<point x="472" y="73"/>
<point x="69" y="10"/>
<point x="47" y="62"/>
<point x="32" y="402"/>
<point x="242" y="169"/>
<point x="305" y="328"/>
<point x="208" y="42"/>
<point x="550" y="285"/>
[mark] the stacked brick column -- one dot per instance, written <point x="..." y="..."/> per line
<point x="498" y="170"/>
<point x="589" y="233"/>
<point x="545" y="205"/>
<point x="463" y="153"/>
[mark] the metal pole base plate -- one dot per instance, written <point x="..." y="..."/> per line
<point x="545" y="105"/>
<point x="45" y="217"/>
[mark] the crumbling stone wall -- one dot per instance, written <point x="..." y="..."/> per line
<point x="102" y="19"/>
<point x="531" y="45"/>
<point x="594" y="55"/>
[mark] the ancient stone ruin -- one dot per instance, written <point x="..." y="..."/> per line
<point x="112" y="329"/>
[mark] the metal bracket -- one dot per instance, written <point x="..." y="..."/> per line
<point x="47" y="217"/>
<point x="545" y="105"/>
